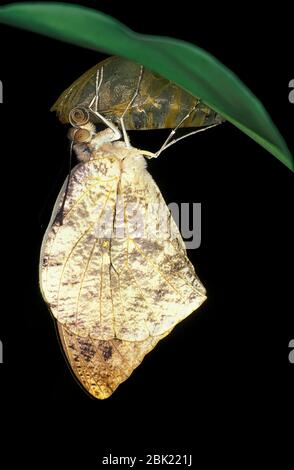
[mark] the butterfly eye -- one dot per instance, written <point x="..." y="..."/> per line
<point x="78" y="116"/>
<point x="82" y="135"/>
<point x="79" y="135"/>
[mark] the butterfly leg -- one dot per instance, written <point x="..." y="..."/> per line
<point x="125" y="135"/>
<point x="174" y="141"/>
<point x="93" y="106"/>
<point x="168" y="142"/>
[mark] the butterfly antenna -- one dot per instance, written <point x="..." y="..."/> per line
<point x="41" y="217"/>
<point x="61" y="211"/>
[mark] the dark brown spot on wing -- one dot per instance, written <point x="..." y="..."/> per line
<point x="87" y="350"/>
<point x="106" y="351"/>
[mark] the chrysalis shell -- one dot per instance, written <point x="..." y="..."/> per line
<point x="160" y="103"/>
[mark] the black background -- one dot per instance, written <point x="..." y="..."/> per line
<point x="225" y="367"/>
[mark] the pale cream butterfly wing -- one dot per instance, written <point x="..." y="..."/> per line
<point x="74" y="264"/>
<point x="124" y="286"/>
<point x="152" y="278"/>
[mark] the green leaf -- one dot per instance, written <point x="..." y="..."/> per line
<point x="187" y="65"/>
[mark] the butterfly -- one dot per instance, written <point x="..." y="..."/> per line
<point x="114" y="270"/>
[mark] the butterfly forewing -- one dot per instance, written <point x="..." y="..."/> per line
<point x="127" y="285"/>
